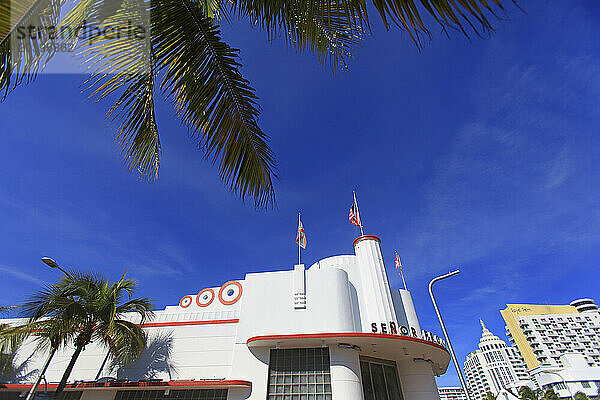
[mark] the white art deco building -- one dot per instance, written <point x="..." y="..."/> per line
<point x="332" y="331"/>
<point x="452" y="393"/>
<point x="494" y="367"/>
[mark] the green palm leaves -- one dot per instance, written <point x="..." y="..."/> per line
<point x="174" y="49"/>
<point x="202" y="80"/>
<point x="26" y="35"/>
<point x="83" y="308"/>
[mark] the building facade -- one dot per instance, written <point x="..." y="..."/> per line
<point x="332" y="331"/>
<point x="574" y="375"/>
<point x="560" y="344"/>
<point x="542" y="333"/>
<point x="494" y="367"/>
<point x="452" y="393"/>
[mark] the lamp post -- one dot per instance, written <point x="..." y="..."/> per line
<point x="30" y="395"/>
<point x="53" y="264"/>
<point x="437" y="311"/>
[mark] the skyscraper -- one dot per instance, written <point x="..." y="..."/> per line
<point x="543" y="332"/>
<point x="560" y="344"/>
<point x="494" y="366"/>
<point x="452" y="393"/>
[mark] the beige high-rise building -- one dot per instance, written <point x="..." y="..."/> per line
<point x="560" y="344"/>
<point x="542" y="333"/>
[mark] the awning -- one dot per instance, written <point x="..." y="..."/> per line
<point x="368" y="344"/>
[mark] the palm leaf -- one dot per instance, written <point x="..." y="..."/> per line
<point x="410" y="15"/>
<point x="329" y="28"/>
<point x="123" y="65"/>
<point x="328" y="33"/>
<point x="202" y="79"/>
<point x="23" y="52"/>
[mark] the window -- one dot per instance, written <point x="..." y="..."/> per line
<point x="301" y="372"/>
<point x="586" y="385"/>
<point x="190" y="394"/>
<point x="380" y="380"/>
<point x="560" y="386"/>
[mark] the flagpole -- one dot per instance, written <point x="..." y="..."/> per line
<point x="401" y="273"/>
<point x="299" y="240"/>
<point x="358" y="212"/>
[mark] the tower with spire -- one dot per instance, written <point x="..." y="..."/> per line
<point x="494" y="366"/>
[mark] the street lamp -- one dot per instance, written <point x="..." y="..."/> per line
<point x="437" y="311"/>
<point x="31" y="394"/>
<point x="53" y="264"/>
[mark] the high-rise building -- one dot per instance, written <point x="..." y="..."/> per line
<point x="542" y="333"/>
<point x="493" y="367"/>
<point x="560" y="344"/>
<point x="452" y="393"/>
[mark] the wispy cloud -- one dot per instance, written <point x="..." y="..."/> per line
<point x="17" y="273"/>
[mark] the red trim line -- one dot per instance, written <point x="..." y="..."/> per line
<point x="365" y="237"/>
<point x="89" y="385"/>
<point x="182" y="323"/>
<point x="344" y="335"/>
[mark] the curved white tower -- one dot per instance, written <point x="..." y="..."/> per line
<point x="377" y="298"/>
<point x="583" y="305"/>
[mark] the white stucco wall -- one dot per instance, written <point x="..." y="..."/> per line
<point x="342" y="294"/>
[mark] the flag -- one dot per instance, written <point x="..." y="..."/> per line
<point x="354" y="216"/>
<point x="397" y="262"/>
<point x="301" y="236"/>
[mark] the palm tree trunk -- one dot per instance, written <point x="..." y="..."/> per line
<point x="65" y="377"/>
<point x="102" y="366"/>
<point x="41" y="374"/>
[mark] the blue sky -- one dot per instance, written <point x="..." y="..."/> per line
<point x="480" y="155"/>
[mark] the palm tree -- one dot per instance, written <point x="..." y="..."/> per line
<point x="83" y="308"/>
<point x="526" y="393"/>
<point x="550" y="394"/>
<point x="490" y="396"/>
<point x="179" y="53"/>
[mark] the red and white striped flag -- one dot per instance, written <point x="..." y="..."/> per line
<point x="354" y="216"/>
<point x="399" y="268"/>
<point x="397" y="262"/>
<point x="301" y="236"/>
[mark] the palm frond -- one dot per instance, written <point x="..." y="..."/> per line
<point x="142" y="306"/>
<point x="124" y="66"/>
<point x="329" y="28"/>
<point x="461" y="15"/>
<point x="414" y="16"/>
<point x="328" y="33"/>
<point x="27" y="33"/>
<point x="203" y="81"/>
<point x="10" y="338"/>
<point x="125" y="340"/>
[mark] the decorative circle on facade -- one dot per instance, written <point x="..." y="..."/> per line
<point x="185" y="301"/>
<point x="205" y="297"/>
<point x="230" y="292"/>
